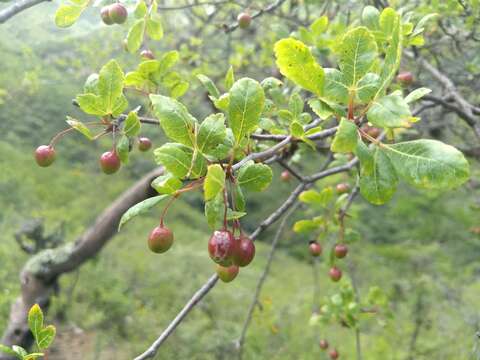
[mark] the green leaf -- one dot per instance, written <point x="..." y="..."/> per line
<point x="67" y="15"/>
<point x="166" y="184"/>
<point x="168" y="60"/>
<point x="297" y="63"/>
<point x="181" y="160"/>
<point x="370" y="17"/>
<point x="20" y="351"/>
<point x="320" y="108"/>
<point x="254" y="177"/>
<point x="80" y="127"/>
<point x="367" y="87"/>
<point x="123" y="149"/>
<point x="214" y="210"/>
<point x="336" y="88"/>
<point x="417" y="94"/>
<point x="209" y="85"/>
<point x="7" y="350"/>
<point x="222" y="102"/>
<point x="239" y="198"/>
<point x="358" y="52"/>
<point x="175" y="120"/>
<point x="305" y="226"/>
<point x="132" y="124"/>
<point x="390" y="111"/>
<point x="35" y="320"/>
<point x="234" y="215"/>
<point x="33" y="356"/>
<point x="46" y="336"/>
<point x="214" y="181"/>
<point x="140" y="9"/>
<point x="154" y="28"/>
<point x="346" y="138"/>
<point x="91" y="104"/>
<point x="245" y="107"/>
<point x="110" y="86"/>
<point x="119" y="106"/>
<point x="140" y="208"/>
<point x="378" y="179"/>
<point x="428" y="164"/>
<point x="310" y="197"/>
<point x="229" y="78"/>
<point x="319" y="26"/>
<point x="211" y="133"/>
<point x="91" y="84"/>
<point x="179" y="89"/>
<point x="135" y="35"/>
<point x="296" y="129"/>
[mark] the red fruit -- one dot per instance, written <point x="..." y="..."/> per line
<point x="323" y="344"/>
<point x="227" y="274"/>
<point x="105" y="15"/>
<point x="342" y="188"/>
<point x="374" y="132"/>
<point x="147" y="54"/>
<point x="144" y="144"/>
<point x="118" y="13"/>
<point x="110" y="162"/>
<point x="244" y="20"/>
<point x="315" y="248"/>
<point x="160" y="239"/>
<point x="285" y="175"/>
<point x="45" y="155"/>
<point x="244" y="251"/>
<point x="221" y="247"/>
<point x="333" y="354"/>
<point x="335" y="273"/>
<point x="405" y="78"/>
<point x="341" y="250"/>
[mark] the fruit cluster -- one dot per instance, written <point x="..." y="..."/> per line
<point x="114" y="14"/>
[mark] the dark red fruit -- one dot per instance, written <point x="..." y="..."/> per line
<point x="118" y="13"/>
<point x="221" y="247"/>
<point x="405" y="78"/>
<point x="244" y="251"/>
<point x="335" y="273"/>
<point x="341" y="250"/>
<point x="333" y="354"/>
<point x="105" y="15"/>
<point x="45" y="155"/>
<point x="110" y="162"/>
<point x="160" y="239"/>
<point x="342" y="188"/>
<point x="244" y="20"/>
<point x="323" y="344"/>
<point x="227" y="274"/>
<point x="315" y="248"/>
<point x="285" y="175"/>
<point x="147" y="54"/>
<point x="144" y="144"/>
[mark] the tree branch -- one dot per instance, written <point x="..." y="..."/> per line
<point x="17" y="7"/>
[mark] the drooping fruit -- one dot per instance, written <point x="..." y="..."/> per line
<point x="144" y="144"/>
<point x="342" y="188"/>
<point x="405" y="78"/>
<point x="105" y="15"/>
<point x="333" y="354"/>
<point x="244" y="20"/>
<point x="285" y="175"/>
<point x="244" y="251"/>
<point x="45" y="155"/>
<point x="315" y="248"/>
<point x="227" y="274"/>
<point x="341" y="250"/>
<point x="147" y="54"/>
<point x="323" y="344"/>
<point x="160" y="239"/>
<point x="110" y="162"/>
<point x="335" y="273"/>
<point x="221" y="247"/>
<point x="118" y="13"/>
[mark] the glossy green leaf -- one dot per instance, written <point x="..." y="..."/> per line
<point x="254" y="177"/>
<point x="428" y="164"/>
<point x="346" y="138"/>
<point x="229" y="78"/>
<point x="132" y="124"/>
<point x="306" y="226"/>
<point x="140" y="208"/>
<point x="154" y="28"/>
<point x="91" y="104"/>
<point x="214" y="181"/>
<point x="67" y="15"/>
<point x="123" y="149"/>
<point x="390" y="111"/>
<point x="238" y="197"/>
<point x="209" y="85"/>
<point x="367" y="87"/>
<point x="370" y="17"/>
<point x="214" y="210"/>
<point x="212" y="132"/>
<point x="80" y="127"/>
<point x="135" y="35"/>
<point x="297" y="63"/>
<point x="336" y="88"/>
<point x="181" y="160"/>
<point x="166" y="184"/>
<point x="20" y="351"/>
<point x="296" y="129"/>
<point x="295" y="104"/>
<point x="35" y="320"/>
<point x="46" y="336"/>
<point x="110" y="86"/>
<point x="234" y="215"/>
<point x="245" y="107"/>
<point x="91" y="84"/>
<point x="320" y="108"/>
<point x="417" y="94"/>
<point x="179" y="89"/>
<point x="175" y="120"/>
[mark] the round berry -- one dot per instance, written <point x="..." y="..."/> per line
<point x="341" y="251"/>
<point x="335" y="273"/>
<point x="221" y="247"/>
<point x="45" y="155"/>
<point x="323" y="344"/>
<point x="244" y="20"/>
<point x="374" y="132"/>
<point x="144" y="144"/>
<point x="118" y="13"/>
<point x="333" y="354"/>
<point x="147" y="54"/>
<point x="110" y="162"/>
<point x="315" y="248"/>
<point x="244" y="251"/>
<point x="227" y="274"/>
<point x="342" y="188"/>
<point x="285" y="175"/>
<point x="405" y="78"/>
<point x="160" y="239"/>
<point x="105" y="15"/>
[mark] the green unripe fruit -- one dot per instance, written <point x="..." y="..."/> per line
<point x="227" y="274"/>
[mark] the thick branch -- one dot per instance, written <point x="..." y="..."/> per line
<point x="17" y="7"/>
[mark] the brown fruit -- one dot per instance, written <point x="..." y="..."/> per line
<point x="323" y="344"/>
<point x="342" y="188"/>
